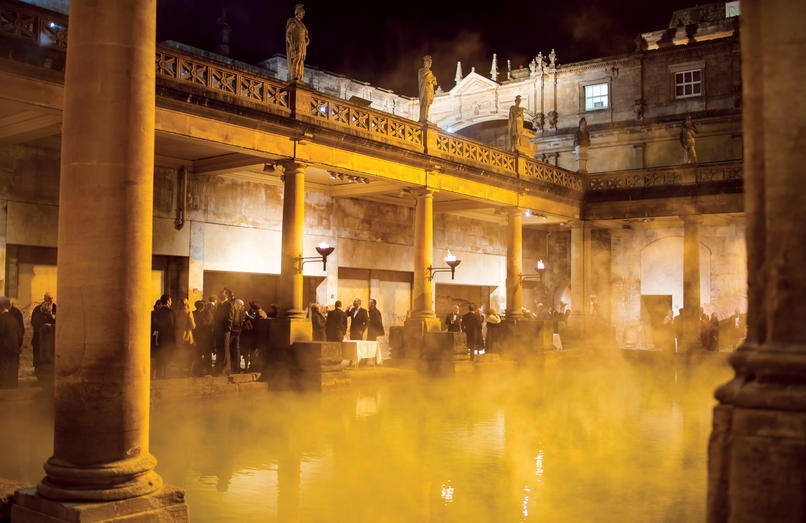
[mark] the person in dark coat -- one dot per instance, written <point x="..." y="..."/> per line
<point x="471" y="325"/>
<point x="358" y="320"/>
<point x="336" y="323"/>
<point x="203" y="336"/>
<point x="43" y="314"/>
<point x="222" y="327"/>
<point x="453" y="321"/>
<point x="165" y="328"/>
<point x="375" y="323"/>
<point x="18" y="316"/>
<point x="10" y="343"/>
<point x="318" y="323"/>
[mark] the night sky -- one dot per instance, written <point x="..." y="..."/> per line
<point x="382" y="42"/>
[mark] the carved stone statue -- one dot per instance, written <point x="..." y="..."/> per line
<point x="541" y="62"/>
<point x="427" y="82"/>
<point x="552" y="59"/>
<point x="224" y="32"/>
<point x="582" y="136"/>
<point x="296" y="43"/>
<point x="582" y="141"/>
<point x="687" y="137"/>
<point x="553" y="118"/>
<point x="540" y="121"/>
<point x="515" y="124"/>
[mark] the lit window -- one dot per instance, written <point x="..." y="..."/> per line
<point x="688" y="83"/>
<point x="595" y="97"/>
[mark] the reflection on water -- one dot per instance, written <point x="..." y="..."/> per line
<point x="575" y="442"/>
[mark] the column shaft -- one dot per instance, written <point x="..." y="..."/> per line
<point x="423" y="298"/>
<point x="580" y="269"/>
<point x="104" y="240"/>
<point x="691" y="284"/>
<point x="293" y="231"/>
<point x="514" y="264"/>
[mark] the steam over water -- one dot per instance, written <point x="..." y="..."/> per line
<point x="577" y="440"/>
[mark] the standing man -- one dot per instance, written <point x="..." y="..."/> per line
<point x="358" y="320"/>
<point x="336" y="323"/>
<point x="427" y="83"/>
<point x="43" y="314"/>
<point x="375" y="325"/>
<point x="222" y="327"/>
<point x="10" y="342"/>
<point x="453" y="322"/>
<point x="165" y="326"/>
<point x="296" y="43"/>
<point x="471" y="324"/>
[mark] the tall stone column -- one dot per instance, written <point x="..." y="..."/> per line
<point x="580" y="276"/>
<point x="691" y="284"/>
<point x="422" y="303"/>
<point x="758" y="444"/>
<point x="292" y="326"/>
<point x="101" y="395"/>
<point x="514" y="264"/>
<point x="293" y="231"/>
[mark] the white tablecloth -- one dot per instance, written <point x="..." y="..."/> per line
<point x="556" y="342"/>
<point x="358" y="350"/>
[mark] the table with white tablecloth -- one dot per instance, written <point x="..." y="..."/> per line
<point x="357" y="350"/>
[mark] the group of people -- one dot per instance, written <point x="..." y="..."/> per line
<point x="219" y="337"/>
<point x="733" y="329"/>
<point x="473" y="323"/>
<point x="12" y="331"/>
<point x="333" y="324"/>
<point x="223" y="335"/>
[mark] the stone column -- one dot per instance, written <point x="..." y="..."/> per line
<point x="101" y="396"/>
<point x="514" y="263"/>
<point x="691" y="284"/>
<point x="196" y="263"/>
<point x="422" y="301"/>
<point x="758" y="444"/>
<point x="293" y="231"/>
<point x="580" y="276"/>
<point x="292" y="326"/>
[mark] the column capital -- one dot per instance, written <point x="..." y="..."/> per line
<point x="422" y="192"/>
<point x="512" y="211"/>
<point x="289" y="164"/>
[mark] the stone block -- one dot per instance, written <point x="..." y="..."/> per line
<point x="167" y="504"/>
<point x="396" y="341"/>
<point x="283" y="332"/>
<point x="7" y="489"/>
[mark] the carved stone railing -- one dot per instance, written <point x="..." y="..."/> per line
<point x="547" y="173"/>
<point x="222" y="79"/>
<point x="320" y="109"/>
<point x="692" y="174"/>
<point x="39" y="26"/>
<point x="464" y="149"/>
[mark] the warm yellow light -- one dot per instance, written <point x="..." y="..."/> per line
<point x="540" y="265"/>
<point x="450" y="257"/>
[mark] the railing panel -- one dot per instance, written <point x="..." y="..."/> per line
<point x="546" y="173"/>
<point x="463" y="149"/>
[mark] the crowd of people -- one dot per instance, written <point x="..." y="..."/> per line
<point x="12" y="332"/>
<point x="714" y="334"/>
<point x="225" y="336"/>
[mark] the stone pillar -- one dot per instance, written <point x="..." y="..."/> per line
<point x="514" y="264"/>
<point x="196" y="263"/>
<point x="101" y="395"/>
<point x="422" y="302"/>
<point x="580" y="276"/>
<point x="3" y="238"/>
<point x="758" y="444"/>
<point x="691" y="284"/>
<point x="292" y="326"/>
<point x="293" y="231"/>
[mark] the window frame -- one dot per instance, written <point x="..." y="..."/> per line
<point x="685" y="83"/>
<point x="584" y="99"/>
<point x="674" y="69"/>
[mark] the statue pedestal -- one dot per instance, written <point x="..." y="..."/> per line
<point x="167" y="504"/>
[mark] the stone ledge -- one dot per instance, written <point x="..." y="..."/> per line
<point x="167" y="504"/>
<point x="7" y="489"/>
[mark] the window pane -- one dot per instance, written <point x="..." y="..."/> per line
<point x="696" y="75"/>
<point x="687" y="76"/>
<point x="688" y="89"/>
<point x="697" y="88"/>
<point x="679" y="90"/>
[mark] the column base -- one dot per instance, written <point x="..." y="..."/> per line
<point x="284" y="332"/>
<point x="167" y="504"/>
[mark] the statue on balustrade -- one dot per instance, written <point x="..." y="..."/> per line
<point x="687" y="136"/>
<point x="515" y="124"/>
<point x="427" y="82"/>
<point x="296" y="43"/>
<point x="582" y="141"/>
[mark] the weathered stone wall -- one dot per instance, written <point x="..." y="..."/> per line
<point x="648" y="259"/>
